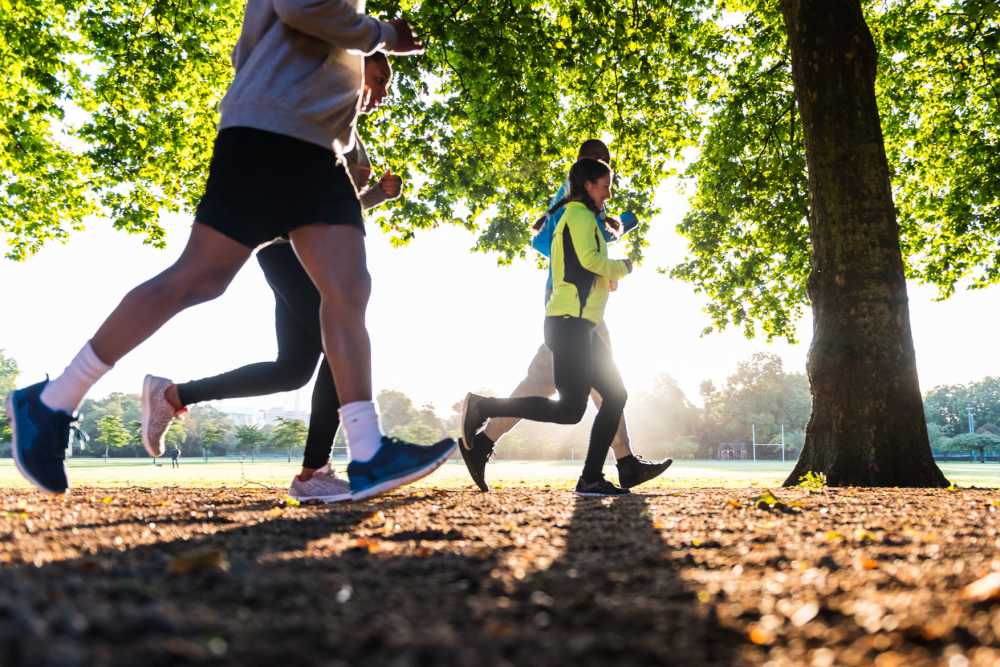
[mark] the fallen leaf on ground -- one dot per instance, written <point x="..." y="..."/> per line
<point x="372" y="546"/>
<point x="199" y="560"/>
<point x="771" y="503"/>
<point x="983" y="589"/>
<point x="760" y="636"/>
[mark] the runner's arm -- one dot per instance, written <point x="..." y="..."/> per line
<point x="581" y="229"/>
<point x="372" y="196"/>
<point x="337" y="22"/>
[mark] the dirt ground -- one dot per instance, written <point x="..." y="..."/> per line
<point x="516" y="577"/>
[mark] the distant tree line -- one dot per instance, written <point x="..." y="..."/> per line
<point x="964" y="419"/>
<point x="662" y="421"/>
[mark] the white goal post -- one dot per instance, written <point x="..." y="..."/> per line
<point x="755" y="445"/>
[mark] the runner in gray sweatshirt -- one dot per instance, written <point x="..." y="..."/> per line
<point x="276" y="170"/>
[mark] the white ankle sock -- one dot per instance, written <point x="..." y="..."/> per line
<point x="364" y="436"/>
<point x="67" y="391"/>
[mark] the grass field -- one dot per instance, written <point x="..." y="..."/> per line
<point x="276" y="472"/>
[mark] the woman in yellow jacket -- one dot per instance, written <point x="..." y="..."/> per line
<point x="582" y="275"/>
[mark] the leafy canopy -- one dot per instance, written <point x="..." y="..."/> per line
<point x="110" y="108"/>
<point x="940" y="108"/>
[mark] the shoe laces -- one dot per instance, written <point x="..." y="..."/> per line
<point x="326" y="471"/>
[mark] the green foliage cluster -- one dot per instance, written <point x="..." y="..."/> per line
<point x="939" y="93"/>
<point x="947" y="410"/>
<point x="947" y="407"/>
<point x="203" y="426"/>
<point x="401" y="419"/>
<point x="812" y="481"/>
<point x="748" y="223"/>
<point x="940" y="107"/>
<point x="111" y="108"/>
<point x="979" y="443"/>
<point x="760" y="392"/>
<point x="112" y="433"/>
<point x="8" y="382"/>
<point x="106" y="107"/>
<point x="289" y="434"/>
<point x="248" y="436"/>
<point x="491" y="116"/>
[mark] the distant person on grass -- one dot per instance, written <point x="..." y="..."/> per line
<point x="582" y="276"/>
<point x="285" y="120"/>
<point x="540" y="379"/>
<point x="175" y="456"/>
<point x="297" y="328"/>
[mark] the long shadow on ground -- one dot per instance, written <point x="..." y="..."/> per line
<point x="434" y="579"/>
<point x="613" y="597"/>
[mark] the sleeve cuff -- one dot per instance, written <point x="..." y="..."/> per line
<point x="386" y="38"/>
<point x="372" y="197"/>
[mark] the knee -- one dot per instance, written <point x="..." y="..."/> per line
<point x="189" y="287"/>
<point x="616" y="399"/>
<point x="346" y="294"/>
<point x="294" y="372"/>
<point x="571" y="409"/>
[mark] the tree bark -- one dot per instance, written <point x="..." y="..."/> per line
<point x="867" y="426"/>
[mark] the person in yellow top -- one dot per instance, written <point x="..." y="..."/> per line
<point x="582" y="274"/>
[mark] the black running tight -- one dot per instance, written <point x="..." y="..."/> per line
<point x="581" y="360"/>
<point x="300" y="346"/>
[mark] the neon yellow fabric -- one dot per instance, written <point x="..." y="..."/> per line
<point x="581" y="269"/>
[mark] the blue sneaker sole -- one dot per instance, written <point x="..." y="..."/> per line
<point x="17" y="459"/>
<point x="404" y="478"/>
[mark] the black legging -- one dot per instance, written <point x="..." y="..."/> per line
<point x="300" y="346"/>
<point x="581" y="360"/>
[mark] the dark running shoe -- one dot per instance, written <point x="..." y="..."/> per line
<point x="40" y="437"/>
<point x="635" y="470"/>
<point x="476" y="458"/>
<point x="601" y="487"/>
<point x="472" y="419"/>
<point x="396" y="463"/>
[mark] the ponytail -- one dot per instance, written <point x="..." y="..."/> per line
<point x="538" y="224"/>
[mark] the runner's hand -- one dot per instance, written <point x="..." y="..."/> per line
<point x="612" y="285"/>
<point x="391" y="184"/>
<point x="406" y="42"/>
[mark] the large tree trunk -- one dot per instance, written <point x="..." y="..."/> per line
<point x="867" y="426"/>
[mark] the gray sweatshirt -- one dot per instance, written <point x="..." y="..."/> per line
<point x="299" y="68"/>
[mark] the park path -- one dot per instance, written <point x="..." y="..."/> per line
<point x="517" y="577"/>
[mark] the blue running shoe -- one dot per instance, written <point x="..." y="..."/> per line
<point x="395" y="464"/>
<point x="40" y="438"/>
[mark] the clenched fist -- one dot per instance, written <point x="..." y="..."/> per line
<point x="391" y="184"/>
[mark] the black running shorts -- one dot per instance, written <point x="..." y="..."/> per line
<point x="261" y="185"/>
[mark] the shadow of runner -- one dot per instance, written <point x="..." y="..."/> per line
<point x="441" y="584"/>
<point x="613" y="598"/>
<point x="120" y="606"/>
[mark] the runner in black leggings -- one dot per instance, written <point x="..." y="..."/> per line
<point x="300" y="348"/>
<point x="582" y="275"/>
